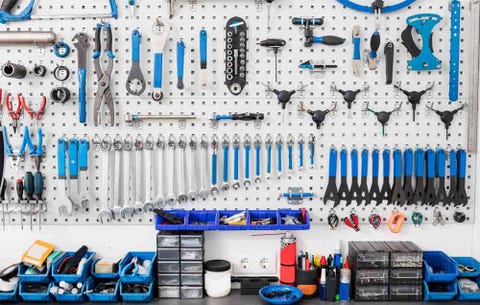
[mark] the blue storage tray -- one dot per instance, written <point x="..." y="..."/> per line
<point x="138" y="279"/>
<point x="102" y="297"/>
<point x="230" y="213"/>
<point x="294" y="213"/>
<point x="469" y="296"/>
<point x="468" y="261"/>
<point x="439" y="296"/>
<point x="445" y="269"/>
<point x="259" y="214"/>
<point x="137" y="297"/>
<point x="33" y="278"/>
<point x="160" y="223"/>
<point x="73" y="278"/>
<point x="10" y="296"/>
<point x="209" y="217"/>
<point x="104" y="275"/>
<point x="73" y="298"/>
<point x="35" y="297"/>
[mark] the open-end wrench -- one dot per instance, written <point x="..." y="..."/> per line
<point x="452" y="193"/>
<point x="258" y="148"/>
<point x="236" y="161"/>
<point x="398" y="195"/>
<point x="407" y="180"/>
<point x="65" y="205"/>
<point x="386" y="190"/>
<point x="162" y="29"/>
<point x="105" y="212"/>
<point x="419" y="195"/>
<point x="430" y="196"/>
<point x="127" y="210"/>
<point x="301" y="143"/>
<point x="440" y="163"/>
<point x="268" y="148"/>
<point x="331" y="193"/>
<point x="355" y="192"/>
<point x="374" y="194"/>
<point x="462" y="198"/>
<point x="73" y="170"/>
<point x="149" y="205"/>
<point x="171" y="198"/>
<point x="138" y="144"/>
<point x="136" y="84"/>
<point x="160" y="199"/>
<point x="279" y="145"/>
<point x="192" y="168"/>
<point x="117" y="157"/>
<point x="364" y="196"/>
<point x="214" y="187"/>
<point x="85" y="195"/>
<point x="181" y="164"/>
<point x="290" y="154"/>
<point x="203" y="193"/>
<point x="247" y="145"/>
<point x="311" y="150"/>
<point x="343" y="190"/>
<point x="226" y="148"/>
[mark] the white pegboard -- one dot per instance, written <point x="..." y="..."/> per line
<point x="342" y="129"/>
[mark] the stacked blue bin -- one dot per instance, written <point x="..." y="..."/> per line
<point x="128" y="278"/>
<point x="34" y="279"/>
<point x="99" y="278"/>
<point x="473" y="274"/>
<point x="440" y="279"/>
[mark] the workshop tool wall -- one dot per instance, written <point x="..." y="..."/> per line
<point x="353" y="127"/>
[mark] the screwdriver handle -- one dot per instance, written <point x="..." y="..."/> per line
<point x="248" y="116"/>
<point x="273" y="43"/>
<point x="29" y="188"/>
<point x="328" y="40"/>
<point x="38" y="185"/>
<point x="19" y="188"/>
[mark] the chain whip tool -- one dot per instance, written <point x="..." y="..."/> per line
<point x="226" y="148"/>
<point x="127" y="210"/>
<point x="162" y="30"/>
<point x="105" y="212"/>
<point x="115" y="190"/>
<point x="181" y="164"/>
<point x="148" y="205"/>
<point x="136" y="84"/>
<point x="203" y="59"/>
<point x="247" y="145"/>
<point x="138" y="173"/>
<point x="236" y="161"/>
<point x="268" y="146"/>
<point x="279" y="145"/>
<point x="85" y="195"/>
<point x="192" y="168"/>
<point x="203" y="167"/>
<point x="160" y="200"/>
<point x="171" y="198"/>
<point x="258" y="148"/>
<point x="214" y="187"/>
<point x="474" y="78"/>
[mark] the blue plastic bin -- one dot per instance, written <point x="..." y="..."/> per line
<point x="35" y="297"/>
<point x="448" y="295"/>
<point x="73" y="278"/>
<point x="439" y="267"/>
<point x="137" y="279"/>
<point x="261" y="214"/>
<point x="230" y="213"/>
<point x="197" y="218"/>
<point x="161" y="224"/>
<point x="115" y="275"/>
<point x="73" y="298"/>
<point x="34" y="278"/>
<point x="137" y="297"/>
<point x="102" y="297"/>
<point x="469" y="296"/>
<point x="294" y="213"/>
<point x="468" y="261"/>
<point x="10" y="296"/>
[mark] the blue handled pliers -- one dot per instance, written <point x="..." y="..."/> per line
<point x="36" y="151"/>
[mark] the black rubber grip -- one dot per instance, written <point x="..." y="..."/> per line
<point x="389" y="53"/>
<point x="8" y="5"/>
<point x="248" y="116"/>
<point x="109" y="38"/>
<point x="98" y="43"/>
<point x="273" y="42"/>
<point x="29" y="185"/>
<point x="407" y="41"/>
<point x="333" y="40"/>
<point x="375" y="42"/>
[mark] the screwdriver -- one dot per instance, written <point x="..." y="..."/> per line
<point x="28" y="181"/>
<point x="269" y="24"/>
<point x="3" y="190"/>
<point x="38" y="194"/>
<point x="273" y="44"/>
<point x="19" y="189"/>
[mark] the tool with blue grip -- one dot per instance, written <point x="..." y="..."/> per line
<point x="430" y="196"/>
<point x="311" y="150"/>
<point x="247" y="145"/>
<point x="419" y="195"/>
<point x="279" y="146"/>
<point x="407" y="181"/>
<point x="441" y="162"/>
<point x="258" y="147"/>
<point x="161" y="30"/>
<point x="455" y="17"/>
<point x="136" y="84"/>
<point x="462" y="198"/>
<point x="180" y="63"/>
<point x="355" y="193"/>
<point x="376" y="7"/>
<point x="374" y="194"/>
<point x="268" y="148"/>
<point x="226" y="163"/>
<point x="203" y="59"/>
<point x="308" y="24"/>
<point x="290" y="154"/>
<point x="214" y="186"/>
<point x="364" y="196"/>
<point x="301" y="143"/>
<point x="398" y="195"/>
<point x="236" y="161"/>
<point x="62" y="199"/>
<point x="343" y="190"/>
<point x="80" y="41"/>
<point x="331" y="193"/>
<point x="386" y="190"/>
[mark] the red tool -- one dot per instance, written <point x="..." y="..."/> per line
<point x="288" y="255"/>
<point x="34" y="115"/>
<point x="352" y="222"/>
<point x="15" y="115"/>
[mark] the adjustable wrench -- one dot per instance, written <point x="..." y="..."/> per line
<point x="117" y="147"/>
<point x="73" y="170"/>
<point x="138" y="173"/>
<point x="127" y="210"/>
<point x="247" y="145"/>
<point x="171" y="198"/>
<point x="214" y="187"/>
<point x="105" y="212"/>
<point x="85" y="196"/>
<point x="160" y="200"/>
<point x="64" y="203"/>
<point x="182" y="190"/>
<point x="192" y="168"/>
<point x="162" y="30"/>
<point x="258" y="147"/>
<point x="203" y="193"/>
<point x="236" y="161"/>
<point x="148" y="206"/>
<point x="226" y="146"/>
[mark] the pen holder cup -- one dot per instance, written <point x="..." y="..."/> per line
<point x="307" y="282"/>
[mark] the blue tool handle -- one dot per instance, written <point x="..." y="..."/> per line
<point x="39" y="149"/>
<point x="462" y="163"/>
<point x="82" y="99"/>
<point x="354" y="161"/>
<point x="356" y="48"/>
<point x="343" y="162"/>
<point x="203" y="49"/>
<point x="225" y="164"/>
<point x="386" y="162"/>
<point x="73" y="158"/>
<point x="136" y="45"/>
<point x="180" y="58"/>
<point x="83" y="147"/>
<point x="300" y="154"/>
<point x="453" y="163"/>
<point x="157" y="70"/>
<point x="38" y="185"/>
<point x="269" y="159"/>
<point x="408" y="157"/>
<point x="235" y="162"/>
<point x="332" y="163"/>
<point x="430" y="163"/>
<point x="375" y="162"/>
<point x="419" y="162"/>
<point x="374" y="44"/>
<point x="364" y="162"/>
<point x="310" y="151"/>
<point x="61" y="157"/>
<point x="257" y="160"/>
<point x="290" y="157"/>
<point x="397" y="163"/>
<point x="223" y="117"/>
<point x="441" y="162"/>
<point x="28" y="184"/>
<point x="214" y="169"/>
<point x="279" y="158"/>
<point x="247" y="162"/>
<point x="297" y="195"/>
<point x="6" y="143"/>
<point x="114" y="8"/>
<point x="27" y="141"/>
<point x="26" y="14"/>
<point x="303" y="21"/>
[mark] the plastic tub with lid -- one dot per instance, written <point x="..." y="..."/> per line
<point x="217" y="278"/>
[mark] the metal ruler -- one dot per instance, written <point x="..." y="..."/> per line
<point x="474" y="79"/>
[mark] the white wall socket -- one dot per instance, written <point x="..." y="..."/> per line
<point x="255" y="264"/>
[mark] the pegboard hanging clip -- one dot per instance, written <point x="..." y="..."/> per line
<point x="136" y="119"/>
<point x="295" y="195"/>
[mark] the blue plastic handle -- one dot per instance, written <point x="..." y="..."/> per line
<point x="225" y="163"/>
<point x="235" y="162"/>
<point x="408" y="157"/>
<point x="462" y="163"/>
<point x="297" y="195"/>
<point x="290" y="157"/>
<point x="61" y="156"/>
<point x="83" y="147"/>
<point x="356" y="48"/>
<point x="214" y="169"/>
<point x="82" y="98"/>
<point x="157" y="70"/>
<point x="316" y="39"/>
<point x="73" y="158"/>
<point x="343" y="162"/>
<point x="257" y="160"/>
<point x="39" y="149"/>
<point x="269" y="159"/>
<point x="180" y="58"/>
<point x="312" y="21"/>
<point x="27" y="141"/>
<point x="136" y="45"/>
<point x="375" y="162"/>
<point x="419" y="162"/>
<point x="386" y="162"/>
<point x="373" y="54"/>
<point x="430" y="163"/>
<point x="26" y="14"/>
<point x="441" y="162"/>
<point x="247" y="162"/>
<point x="364" y="162"/>
<point x="203" y="49"/>
<point x="114" y="8"/>
<point x="397" y="163"/>
<point x="354" y="160"/>
<point x="6" y="143"/>
<point x="279" y="158"/>
<point x="300" y="154"/>
<point x="310" y="151"/>
<point x="332" y="163"/>
<point x="223" y="117"/>
<point x="453" y="163"/>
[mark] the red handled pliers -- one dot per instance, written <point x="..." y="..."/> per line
<point x="352" y="222"/>
<point x="34" y="115"/>
<point x="15" y="115"/>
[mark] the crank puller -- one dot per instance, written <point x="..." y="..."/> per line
<point x="331" y="193"/>
<point x="398" y="195"/>
<point x="407" y="179"/>
<point x="374" y="193"/>
<point x="386" y="191"/>
<point x="419" y="195"/>
<point x="355" y="193"/>
<point x="430" y="198"/>
<point x="364" y="196"/>
<point x="343" y="191"/>
<point x="441" y="159"/>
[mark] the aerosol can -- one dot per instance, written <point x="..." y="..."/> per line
<point x="288" y="253"/>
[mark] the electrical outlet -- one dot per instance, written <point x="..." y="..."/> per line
<point x="244" y="263"/>
<point x="255" y="264"/>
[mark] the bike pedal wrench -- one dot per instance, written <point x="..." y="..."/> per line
<point x="343" y="191"/>
<point x="398" y="195"/>
<point x="85" y="195"/>
<point x="374" y="194"/>
<point x="149" y="145"/>
<point x="364" y="196"/>
<point x="171" y="144"/>
<point x="214" y="180"/>
<point x="203" y="193"/>
<point x="182" y="160"/>
<point x="331" y="193"/>
<point x="138" y="205"/>
<point x="226" y="146"/>
<point x="136" y="84"/>
<point x="115" y="190"/>
<point x="162" y="29"/>
<point x="407" y="180"/>
<point x="72" y="148"/>
<point x="65" y="204"/>
<point x="386" y="190"/>
<point x="127" y="210"/>
<point x="355" y="192"/>
<point x="462" y="198"/>
<point x="419" y="195"/>
<point x="236" y="161"/>
<point x="430" y="198"/>
<point x="441" y="160"/>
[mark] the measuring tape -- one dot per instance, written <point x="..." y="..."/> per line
<point x="474" y="80"/>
